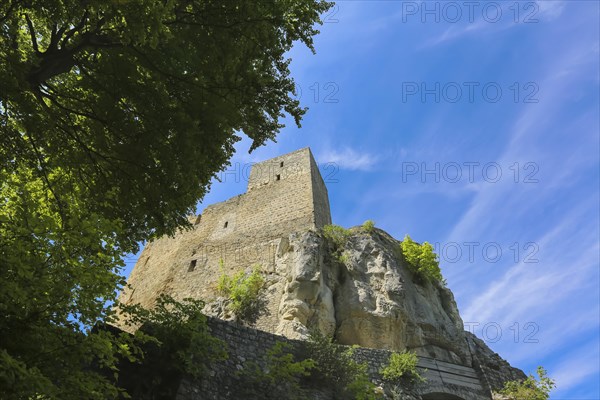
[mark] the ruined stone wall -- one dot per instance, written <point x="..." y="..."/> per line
<point x="320" y="197"/>
<point x="246" y="345"/>
<point x="285" y="194"/>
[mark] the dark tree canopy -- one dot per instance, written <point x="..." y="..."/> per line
<point x="140" y="101"/>
<point x="114" y="117"/>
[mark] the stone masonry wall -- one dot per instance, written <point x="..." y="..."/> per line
<point x="285" y="194"/>
<point x="320" y="197"/>
<point x="250" y="345"/>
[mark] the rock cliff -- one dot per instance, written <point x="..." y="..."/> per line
<point x="362" y="292"/>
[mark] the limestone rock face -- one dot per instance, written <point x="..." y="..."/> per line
<point x="307" y="287"/>
<point x="363" y="293"/>
<point x="378" y="304"/>
<point x="366" y="296"/>
<point x="496" y="370"/>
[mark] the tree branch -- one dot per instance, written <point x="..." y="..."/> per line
<point x="76" y="28"/>
<point x="32" y="34"/>
<point x="58" y="59"/>
<point x="90" y="152"/>
<point x="71" y="111"/>
<point x="55" y="38"/>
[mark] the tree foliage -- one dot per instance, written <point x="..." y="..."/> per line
<point x="176" y="341"/>
<point x="421" y="260"/>
<point x="139" y="101"/>
<point x="56" y="271"/>
<point x="114" y="117"/>
<point x="531" y="388"/>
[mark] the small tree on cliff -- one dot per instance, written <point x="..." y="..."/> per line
<point x="531" y="388"/>
<point x="421" y="260"/>
<point x="114" y="117"/>
<point x="244" y="294"/>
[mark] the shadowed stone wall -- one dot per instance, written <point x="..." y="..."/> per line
<point x="250" y="345"/>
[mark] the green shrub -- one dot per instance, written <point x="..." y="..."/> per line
<point x="224" y="281"/>
<point x="336" y="366"/>
<point x="337" y="235"/>
<point x="279" y="378"/>
<point x="344" y="258"/>
<point x="360" y="386"/>
<point x="368" y="226"/>
<point x="402" y="365"/>
<point x="244" y="293"/>
<point x="421" y="260"/>
<point x="530" y="388"/>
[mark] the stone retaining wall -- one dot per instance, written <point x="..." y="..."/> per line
<point x="250" y="345"/>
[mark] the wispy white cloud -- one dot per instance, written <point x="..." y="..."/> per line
<point x="561" y="336"/>
<point x="523" y="288"/>
<point x="529" y="138"/>
<point x="577" y="367"/>
<point x="457" y="31"/>
<point x="511" y="15"/>
<point x="560" y="293"/>
<point x="350" y="159"/>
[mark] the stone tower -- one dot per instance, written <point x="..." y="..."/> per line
<point x="285" y="194"/>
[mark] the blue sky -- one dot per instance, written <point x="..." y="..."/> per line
<point x="475" y="128"/>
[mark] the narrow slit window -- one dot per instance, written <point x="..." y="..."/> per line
<point x="278" y="177"/>
<point x="225" y="225"/>
<point x="192" y="266"/>
<point x="281" y="164"/>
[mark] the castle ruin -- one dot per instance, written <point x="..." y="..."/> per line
<point x="368" y="297"/>
<point x="285" y="194"/>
